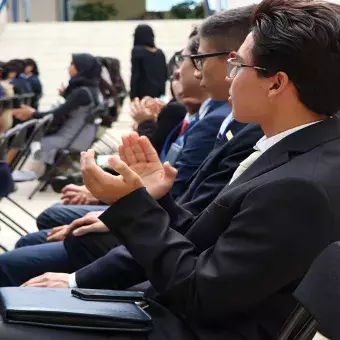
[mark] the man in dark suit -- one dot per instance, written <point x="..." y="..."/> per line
<point x="279" y="210"/>
<point x="220" y="165"/>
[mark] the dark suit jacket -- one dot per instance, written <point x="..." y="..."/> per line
<point x="198" y="143"/>
<point x="118" y="270"/>
<point x="231" y="276"/>
<point x="157" y="131"/>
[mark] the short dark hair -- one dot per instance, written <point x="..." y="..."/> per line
<point x="32" y="62"/>
<point x="194" y="41"/>
<point x="302" y="39"/>
<point x="228" y="29"/>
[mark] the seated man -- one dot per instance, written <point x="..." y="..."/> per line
<point x="81" y="251"/>
<point x="195" y="137"/>
<point x="231" y="276"/>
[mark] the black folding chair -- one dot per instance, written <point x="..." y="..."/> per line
<point x="6" y="187"/>
<point x="15" y="139"/>
<point x="95" y="117"/>
<point x="319" y="300"/>
<point x="36" y="136"/>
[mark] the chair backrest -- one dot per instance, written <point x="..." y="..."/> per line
<point x="318" y="296"/>
<point x="42" y="127"/>
<point x="22" y="141"/>
<point x="7" y="139"/>
<point x="39" y="132"/>
<point x="319" y="291"/>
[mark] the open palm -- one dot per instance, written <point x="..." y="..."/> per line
<point x="139" y="154"/>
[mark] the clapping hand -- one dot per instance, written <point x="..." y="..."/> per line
<point x="138" y="166"/>
<point x="104" y="186"/>
<point x="139" y="154"/>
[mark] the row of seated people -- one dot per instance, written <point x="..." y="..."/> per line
<point x="221" y="227"/>
<point x="18" y="77"/>
<point x="92" y="80"/>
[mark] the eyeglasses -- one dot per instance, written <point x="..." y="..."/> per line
<point x="198" y="59"/>
<point x="234" y="67"/>
<point x="179" y="58"/>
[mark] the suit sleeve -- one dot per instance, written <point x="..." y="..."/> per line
<point x="116" y="270"/>
<point x="273" y="237"/>
<point x="198" y="144"/>
<point x="77" y="98"/>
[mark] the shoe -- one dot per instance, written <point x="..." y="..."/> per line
<point x="59" y="182"/>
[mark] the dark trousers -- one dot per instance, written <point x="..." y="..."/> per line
<point x="22" y="264"/>
<point x="60" y="214"/>
<point x="33" y="256"/>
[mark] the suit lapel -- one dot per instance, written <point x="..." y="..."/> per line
<point x="293" y="145"/>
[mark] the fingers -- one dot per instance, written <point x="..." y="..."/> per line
<point x="92" y="174"/>
<point x="85" y="230"/>
<point x="170" y="172"/>
<point x="98" y="227"/>
<point x="137" y="148"/>
<point x="149" y="151"/>
<point x="121" y="151"/>
<point x="70" y="187"/>
<point x="88" y="219"/>
<point x="128" y="175"/>
<point x="35" y="281"/>
<point x="127" y="150"/>
<point x="55" y="230"/>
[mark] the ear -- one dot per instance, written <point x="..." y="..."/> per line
<point x="278" y="84"/>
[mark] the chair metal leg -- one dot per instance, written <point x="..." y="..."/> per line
<point x="3" y="248"/>
<point x="15" y="223"/>
<point x="48" y="176"/>
<point x="295" y="322"/>
<point x="308" y="329"/>
<point x="20" y="207"/>
<point x="24" y="160"/>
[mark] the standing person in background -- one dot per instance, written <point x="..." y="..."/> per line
<point x="149" y="70"/>
<point x="31" y="74"/>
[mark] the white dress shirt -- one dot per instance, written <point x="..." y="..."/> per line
<point x="266" y="143"/>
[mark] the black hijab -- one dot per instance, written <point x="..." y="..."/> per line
<point x="89" y="71"/>
<point x="144" y="36"/>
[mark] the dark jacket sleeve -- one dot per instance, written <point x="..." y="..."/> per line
<point x="78" y="97"/>
<point x="248" y="263"/>
<point x="116" y="270"/>
<point x="136" y="62"/>
<point x="197" y="145"/>
<point x="170" y="116"/>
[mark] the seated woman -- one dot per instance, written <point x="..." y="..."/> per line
<point x="81" y="96"/>
<point x="31" y="74"/>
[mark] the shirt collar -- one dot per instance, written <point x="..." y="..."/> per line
<point x="266" y="143"/>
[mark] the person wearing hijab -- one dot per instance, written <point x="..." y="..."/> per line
<point x="149" y="69"/>
<point x="81" y="96"/>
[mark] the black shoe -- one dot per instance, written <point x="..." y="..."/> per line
<point x="59" y="182"/>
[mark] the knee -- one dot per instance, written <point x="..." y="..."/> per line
<point x="23" y="242"/>
<point x="32" y="239"/>
<point x="47" y="219"/>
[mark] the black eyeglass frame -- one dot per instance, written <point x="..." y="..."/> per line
<point x="197" y="59"/>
